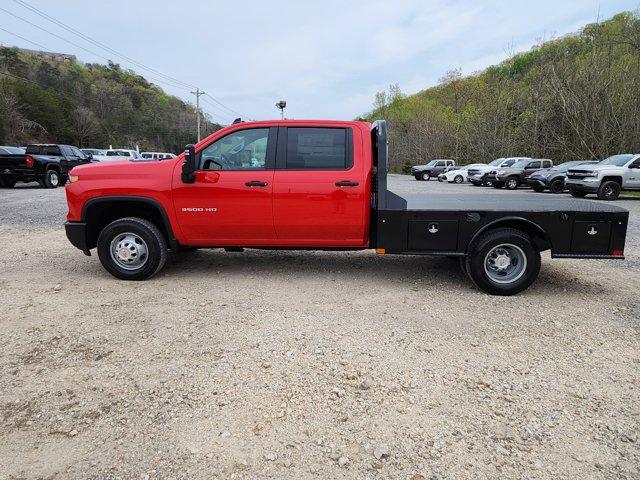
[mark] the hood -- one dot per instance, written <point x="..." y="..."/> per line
<point x="545" y="172"/>
<point x="123" y="169"/>
<point x="594" y="168"/>
<point x="508" y="170"/>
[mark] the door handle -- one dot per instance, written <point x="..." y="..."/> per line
<point x="346" y="183"/>
<point x="256" y="183"/>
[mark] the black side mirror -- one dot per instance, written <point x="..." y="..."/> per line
<point x="189" y="165"/>
<point x="89" y="157"/>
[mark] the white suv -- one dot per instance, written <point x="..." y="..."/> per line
<point x="478" y="175"/>
<point x="607" y="178"/>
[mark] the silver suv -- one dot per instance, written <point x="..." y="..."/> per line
<point x="432" y="169"/>
<point x="607" y="178"/>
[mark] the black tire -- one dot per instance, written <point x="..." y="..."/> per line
<point x="417" y="177"/>
<point x="476" y="184"/>
<point x="496" y="185"/>
<point x="475" y="261"/>
<point x="440" y="179"/>
<point x="425" y="176"/>
<point x="154" y="241"/>
<point x="538" y="189"/>
<point x="463" y="267"/>
<point x="577" y="193"/>
<point x="51" y="179"/>
<point x="7" y="182"/>
<point x="557" y="186"/>
<point x="486" y="182"/>
<point x="609" y="190"/>
<point x="512" y="183"/>
<point x="458" y="179"/>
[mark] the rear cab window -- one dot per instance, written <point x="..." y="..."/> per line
<point x="315" y="148"/>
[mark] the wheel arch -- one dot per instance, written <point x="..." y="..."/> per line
<point x="612" y="178"/>
<point x="536" y="232"/>
<point x="98" y="212"/>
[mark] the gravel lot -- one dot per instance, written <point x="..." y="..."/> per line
<point x="310" y="365"/>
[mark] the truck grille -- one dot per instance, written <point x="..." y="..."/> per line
<point x="578" y="174"/>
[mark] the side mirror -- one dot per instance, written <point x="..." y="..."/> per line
<point x="89" y="157"/>
<point x="189" y="165"/>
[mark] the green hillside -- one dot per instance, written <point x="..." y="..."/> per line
<point x="577" y="97"/>
<point x="53" y="98"/>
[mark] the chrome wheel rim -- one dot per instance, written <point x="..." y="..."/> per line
<point x="505" y="263"/>
<point x="511" y="184"/>
<point x="129" y="251"/>
<point x="458" y="179"/>
<point x="53" y="178"/>
<point x="608" y="192"/>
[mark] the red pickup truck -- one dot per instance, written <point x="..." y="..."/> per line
<point x="319" y="185"/>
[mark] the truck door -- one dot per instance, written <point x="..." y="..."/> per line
<point x="633" y="175"/>
<point x="320" y="195"/>
<point x="230" y="202"/>
<point x="531" y="168"/>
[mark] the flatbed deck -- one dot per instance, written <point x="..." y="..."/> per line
<point x="502" y="202"/>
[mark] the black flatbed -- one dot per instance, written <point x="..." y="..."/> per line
<point x="449" y="224"/>
<point x="502" y="202"/>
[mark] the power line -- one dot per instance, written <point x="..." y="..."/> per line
<point x="230" y="109"/>
<point x="78" y="46"/>
<point x="100" y="44"/>
<point x="25" y="39"/>
<point x="115" y="52"/>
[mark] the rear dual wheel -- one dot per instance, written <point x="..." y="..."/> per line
<point x="502" y="262"/>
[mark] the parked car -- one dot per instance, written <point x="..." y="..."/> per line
<point x="512" y="177"/>
<point x="432" y="169"/>
<point x="459" y="175"/>
<point x="478" y="175"/>
<point x="553" y="178"/>
<point x="119" y="154"/>
<point x="156" y="155"/>
<point x="607" y="178"/>
<point x="98" y="154"/>
<point x="47" y="164"/>
<point x="327" y="190"/>
<point x="5" y="150"/>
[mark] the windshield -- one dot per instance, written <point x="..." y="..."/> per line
<point x="432" y="163"/>
<point x="497" y="162"/>
<point x="617" y="160"/>
<point x="563" y="167"/>
<point x="520" y="164"/>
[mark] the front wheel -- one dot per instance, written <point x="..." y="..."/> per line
<point x="609" y="190"/>
<point x="458" y="179"/>
<point x="557" y="186"/>
<point x="503" y="262"/>
<point x="426" y="176"/>
<point x="132" y="249"/>
<point x="512" y="183"/>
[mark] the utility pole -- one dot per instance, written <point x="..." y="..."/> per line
<point x="197" y="93"/>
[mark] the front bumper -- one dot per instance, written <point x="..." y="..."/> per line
<point x="582" y="185"/>
<point x="77" y="235"/>
<point x="537" y="182"/>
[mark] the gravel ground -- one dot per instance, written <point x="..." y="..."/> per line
<point x="310" y="365"/>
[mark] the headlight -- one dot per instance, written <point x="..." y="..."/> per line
<point x="74" y="178"/>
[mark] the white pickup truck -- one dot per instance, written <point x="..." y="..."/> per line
<point x="607" y="178"/>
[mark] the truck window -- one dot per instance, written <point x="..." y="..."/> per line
<point x="51" y="150"/>
<point x="533" y="165"/>
<point x="317" y="149"/>
<point x="240" y="150"/>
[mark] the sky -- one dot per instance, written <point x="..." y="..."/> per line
<point x="327" y="58"/>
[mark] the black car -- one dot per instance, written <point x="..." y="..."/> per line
<point x="47" y="164"/>
<point x="553" y="178"/>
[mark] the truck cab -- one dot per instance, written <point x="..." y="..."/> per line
<point x="318" y="185"/>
